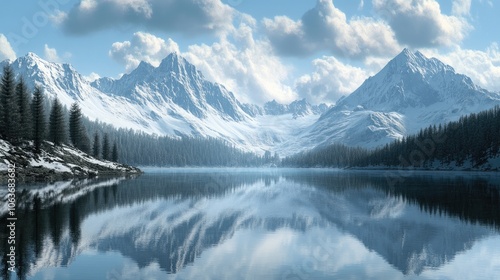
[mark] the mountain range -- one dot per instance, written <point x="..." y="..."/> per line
<point x="174" y="99"/>
<point x="410" y="93"/>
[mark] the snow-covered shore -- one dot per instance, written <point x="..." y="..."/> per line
<point x="55" y="163"/>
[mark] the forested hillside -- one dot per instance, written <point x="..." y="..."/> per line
<point x="138" y="148"/>
<point x="31" y="119"/>
<point x="471" y="142"/>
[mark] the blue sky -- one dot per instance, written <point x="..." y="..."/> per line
<point x="261" y="50"/>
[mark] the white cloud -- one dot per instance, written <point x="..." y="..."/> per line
<point x="461" y="7"/>
<point x="185" y="16"/>
<point x="246" y="66"/>
<point x="326" y="28"/>
<point x="6" y="51"/>
<point x="50" y="54"/>
<point x="330" y="80"/>
<point x="92" y="77"/>
<point x="143" y="47"/>
<point x="58" y="17"/>
<point x="483" y="67"/>
<point x="374" y="64"/>
<point x="361" y="5"/>
<point x="420" y="23"/>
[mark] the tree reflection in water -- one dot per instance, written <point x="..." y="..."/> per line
<point x="172" y="218"/>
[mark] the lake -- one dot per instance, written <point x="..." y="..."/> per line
<point x="259" y="224"/>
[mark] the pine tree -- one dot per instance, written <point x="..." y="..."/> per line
<point x="114" y="154"/>
<point x="38" y="118"/>
<point x="96" y="149"/>
<point x="78" y="134"/>
<point x="57" y="130"/>
<point x="105" y="147"/>
<point x="23" y="102"/>
<point x="9" y="120"/>
<point x="85" y="143"/>
<point x="75" y="125"/>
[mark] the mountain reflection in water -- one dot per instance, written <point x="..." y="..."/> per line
<point x="258" y="224"/>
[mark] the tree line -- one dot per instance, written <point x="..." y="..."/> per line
<point x="335" y="155"/>
<point x="473" y="138"/>
<point x="23" y="117"/>
<point x="32" y="117"/>
<point x="139" y="148"/>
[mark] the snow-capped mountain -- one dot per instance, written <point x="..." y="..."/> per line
<point x="411" y="80"/>
<point x="172" y="99"/>
<point x="411" y="92"/>
<point x="65" y="83"/>
<point x="60" y="80"/>
<point x="174" y="82"/>
<point x="297" y="108"/>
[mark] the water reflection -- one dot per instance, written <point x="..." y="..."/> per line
<point x="281" y="224"/>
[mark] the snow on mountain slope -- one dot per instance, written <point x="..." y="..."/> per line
<point x="64" y="82"/>
<point x="411" y="92"/>
<point x="175" y="81"/>
<point x="172" y="99"/>
<point x="411" y="80"/>
<point x="297" y="108"/>
<point x="363" y="128"/>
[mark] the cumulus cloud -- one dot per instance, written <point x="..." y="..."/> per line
<point x="185" y="16"/>
<point x="58" y="17"/>
<point x="246" y="66"/>
<point x="142" y="47"/>
<point x="6" y="51"/>
<point x="420" y="23"/>
<point x="326" y="28"/>
<point x="92" y="77"/>
<point x="483" y="67"/>
<point x="50" y="54"/>
<point x="330" y="80"/>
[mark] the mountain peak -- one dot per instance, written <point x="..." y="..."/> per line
<point x="411" y="80"/>
<point x="173" y="59"/>
<point x="407" y="57"/>
<point x="178" y="65"/>
<point x="32" y="55"/>
<point x="32" y="58"/>
<point x="415" y="62"/>
<point x="406" y="51"/>
<point x="144" y="64"/>
<point x="143" y="69"/>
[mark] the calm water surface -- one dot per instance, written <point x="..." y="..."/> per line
<point x="260" y="224"/>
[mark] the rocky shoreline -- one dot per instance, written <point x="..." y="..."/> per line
<point x="56" y="163"/>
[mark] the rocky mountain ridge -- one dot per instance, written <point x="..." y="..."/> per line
<point x="174" y="99"/>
